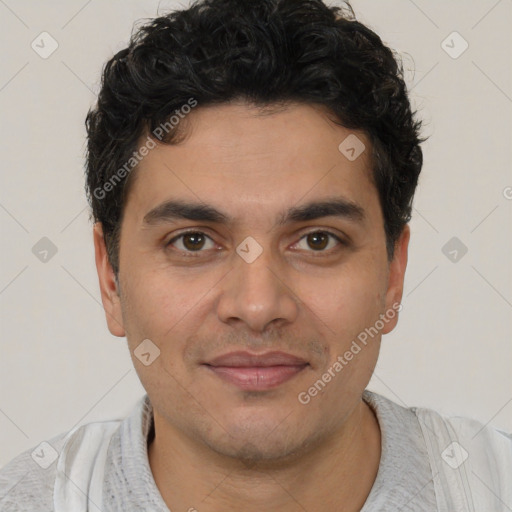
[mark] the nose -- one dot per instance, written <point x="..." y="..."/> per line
<point x="257" y="293"/>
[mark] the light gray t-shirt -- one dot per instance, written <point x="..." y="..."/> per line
<point x="404" y="481"/>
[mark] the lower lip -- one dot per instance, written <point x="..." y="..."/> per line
<point x="257" y="378"/>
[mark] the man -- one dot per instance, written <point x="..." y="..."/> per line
<point x="251" y="168"/>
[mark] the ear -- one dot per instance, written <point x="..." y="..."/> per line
<point x="396" y="277"/>
<point x="108" y="286"/>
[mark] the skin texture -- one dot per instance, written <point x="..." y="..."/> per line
<point x="218" y="447"/>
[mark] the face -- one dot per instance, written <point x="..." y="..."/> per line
<point x="261" y="293"/>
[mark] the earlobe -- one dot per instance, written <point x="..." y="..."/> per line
<point x="108" y="286"/>
<point x="396" y="278"/>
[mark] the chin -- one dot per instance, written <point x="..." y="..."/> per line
<point x="262" y="452"/>
<point x="266" y="444"/>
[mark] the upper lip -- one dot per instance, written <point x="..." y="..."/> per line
<point x="248" y="360"/>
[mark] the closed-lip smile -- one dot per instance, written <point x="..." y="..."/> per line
<point x="256" y="372"/>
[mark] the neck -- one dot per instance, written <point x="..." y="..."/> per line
<point x="338" y="474"/>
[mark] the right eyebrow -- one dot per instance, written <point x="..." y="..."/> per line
<point x="171" y="210"/>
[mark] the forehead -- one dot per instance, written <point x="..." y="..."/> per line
<point x="238" y="159"/>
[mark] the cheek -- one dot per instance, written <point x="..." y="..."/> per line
<point x="168" y="308"/>
<point x="156" y="309"/>
<point x="152" y="305"/>
<point x="349" y="300"/>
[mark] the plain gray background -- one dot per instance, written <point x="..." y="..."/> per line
<point x="452" y="351"/>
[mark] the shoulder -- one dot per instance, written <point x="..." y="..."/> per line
<point x="28" y="481"/>
<point x="470" y="462"/>
<point x="471" y="458"/>
<point x="472" y="434"/>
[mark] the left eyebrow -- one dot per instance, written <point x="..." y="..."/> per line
<point x="171" y="210"/>
<point x="335" y="207"/>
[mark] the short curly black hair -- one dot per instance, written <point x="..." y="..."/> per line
<point x="266" y="52"/>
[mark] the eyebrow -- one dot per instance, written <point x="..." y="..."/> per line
<point x="172" y="210"/>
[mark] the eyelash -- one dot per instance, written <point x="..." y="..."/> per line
<point x="196" y="232"/>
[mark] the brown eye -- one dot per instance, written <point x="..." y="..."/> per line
<point x="192" y="241"/>
<point x="318" y="241"/>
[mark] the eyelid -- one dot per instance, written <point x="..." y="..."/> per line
<point x="199" y="231"/>
<point x="342" y="241"/>
<point x="339" y="238"/>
